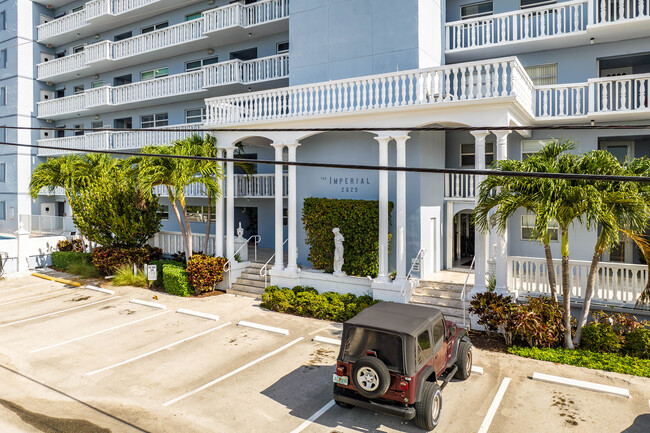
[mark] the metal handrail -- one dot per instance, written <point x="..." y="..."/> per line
<point x="227" y="266"/>
<point x="3" y="259"/>
<point x="462" y="294"/>
<point x="417" y="259"/>
<point x="263" y="268"/>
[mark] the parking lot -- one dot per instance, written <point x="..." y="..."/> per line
<point x="78" y="360"/>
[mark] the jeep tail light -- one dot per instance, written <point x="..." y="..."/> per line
<point x="403" y="385"/>
<point x="340" y="370"/>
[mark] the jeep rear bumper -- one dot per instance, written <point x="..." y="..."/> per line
<point x="404" y="412"/>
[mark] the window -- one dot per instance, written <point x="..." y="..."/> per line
<point x="78" y="8"/>
<point x="530" y="147"/>
<point x="3" y="171"/>
<point x="3" y="58"/>
<point x="154" y="73"/>
<point x="247" y="54"/>
<point x="3" y="212"/>
<point x="542" y="74"/>
<point x="154" y="27"/>
<point x="424" y="347"/>
<point x="438" y="332"/>
<point x="622" y="150"/>
<point x="80" y="127"/>
<point x="194" y="16"/>
<point x="78" y="49"/>
<point x="199" y="214"/>
<point x="285" y="217"/>
<point x="163" y="211"/>
<point x="96" y="125"/>
<point x="122" y="36"/>
<point x="534" y="3"/>
<point x="476" y="10"/>
<point x="78" y="89"/>
<point x="198" y="64"/>
<point x="153" y="120"/>
<point x="96" y="84"/>
<point x="282" y="47"/>
<point x="467" y="154"/>
<point x="195" y="115"/>
<point x="3" y="20"/>
<point x="528" y="225"/>
<point x="3" y="95"/>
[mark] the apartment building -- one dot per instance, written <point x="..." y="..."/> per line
<point x="357" y="63"/>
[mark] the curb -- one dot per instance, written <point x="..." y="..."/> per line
<point x="263" y="327"/>
<point x="58" y="280"/>
<point x="99" y="289"/>
<point x="198" y="314"/>
<point x="148" y="304"/>
<point x="326" y="340"/>
<point x="591" y="386"/>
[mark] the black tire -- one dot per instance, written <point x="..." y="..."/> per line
<point x="428" y="409"/>
<point x="340" y="403"/>
<point x="464" y="360"/>
<point x="370" y="377"/>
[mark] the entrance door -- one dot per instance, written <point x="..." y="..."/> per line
<point x="463" y="239"/>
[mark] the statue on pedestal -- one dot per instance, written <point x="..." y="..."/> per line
<point x="338" y="252"/>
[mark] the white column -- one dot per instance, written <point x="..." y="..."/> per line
<point x="400" y="238"/>
<point x="480" y="238"/>
<point x="218" y="213"/>
<point x="292" y="257"/>
<point x="279" y="206"/>
<point x="230" y="204"/>
<point x="502" y="238"/>
<point x="22" y="249"/>
<point x="383" y="210"/>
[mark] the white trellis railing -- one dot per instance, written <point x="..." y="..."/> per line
<point x="561" y="100"/>
<point x="460" y="186"/>
<point x="616" y="283"/>
<point x="611" y="11"/>
<point x="622" y="93"/>
<point x="246" y="186"/>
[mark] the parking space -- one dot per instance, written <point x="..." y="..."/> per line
<point x="107" y="363"/>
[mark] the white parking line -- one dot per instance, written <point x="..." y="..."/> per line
<point x="157" y="350"/>
<point x="591" y="386"/>
<point x="57" y="312"/>
<point x="43" y="295"/>
<point x="232" y="373"/>
<point x="327" y="340"/>
<point x="97" y="333"/>
<point x="314" y="417"/>
<point x="24" y="287"/>
<point x="494" y="406"/>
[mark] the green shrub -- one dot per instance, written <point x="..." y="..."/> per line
<point x="124" y="276"/>
<point x="584" y="358"/>
<point x="63" y="259"/>
<point x="175" y="280"/>
<point x="359" y="223"/>
<point x="305" y="301"/>
<point x="84" y="269"/>
<point x="159" y="272"/>
<point x="70" y="245"/>
<point x="204" y="272"/>
<point x="109" y="259"/>
<point x="637" y="343"/>
<point x="600" y="337"/>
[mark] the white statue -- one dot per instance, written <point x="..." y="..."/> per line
<point x="338" y="251"/>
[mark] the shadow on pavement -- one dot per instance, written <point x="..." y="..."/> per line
<point x="641" y="424"/>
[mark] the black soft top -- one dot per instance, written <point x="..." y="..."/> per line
<point x="406" y="319"/>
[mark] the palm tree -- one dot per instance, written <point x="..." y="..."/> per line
<point x="176" y="174"/>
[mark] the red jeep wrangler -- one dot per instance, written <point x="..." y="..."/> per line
<point x="397" y="358"/>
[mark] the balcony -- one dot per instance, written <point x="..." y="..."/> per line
<point x="246" y="186"/>
<point x="226" y="77"/>
<point x="219" y="26"/>
<point x="559" y="25"/>
<point x="460" y="187"/>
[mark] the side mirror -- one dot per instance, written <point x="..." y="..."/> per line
<point x="451" y="331"/>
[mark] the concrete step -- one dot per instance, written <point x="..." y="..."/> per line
<point x="250" y="274"/>
<point x="438" y="301"/>
<point x="432" y="290"/>
<point x="437" y="293"/>
<point x="255" y="265"/>
<point x="252" y="283"/>
<point x="241" y="289"/>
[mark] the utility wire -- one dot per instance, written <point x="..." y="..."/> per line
<point x="565" y="176"/>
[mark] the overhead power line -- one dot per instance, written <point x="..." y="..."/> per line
<point x="565" y="176"/>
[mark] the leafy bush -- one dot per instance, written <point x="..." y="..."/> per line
<point x="359" y="223"/>
<point x="492" y="310"/>
<point x="159" y="271"/>
<point x="305" y="301"/>
<point x="622" y="323"/>
<point x="83" y="268"/>
<point x="637" y="343"/>
<point x="70" y="245"/>
<point x="124" y="276"/>
<point x="204" y="272"/>
<point x="109" y="259"/>
<point x="600" y="337"/>
<point x="175" y="280"/>
<point x="588" y="359"/>
<point x="63" y="259"/>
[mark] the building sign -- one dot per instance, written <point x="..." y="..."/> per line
<point x="346" y="184"/>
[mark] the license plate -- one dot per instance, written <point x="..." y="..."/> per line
<point x="343" y="380"/>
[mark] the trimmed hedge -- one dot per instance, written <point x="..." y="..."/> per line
<point x="63" y="259"/>
<point x="204" y="272"/>
<point x="600" y="337"/>
<point x="359" y="224"/>
<point x="109" y="259"/>
<point x="305" y="301"/>
<point x="175" y="280"/>
<point x="637" y="343"/>
<point x="159" y="269"/>
<point x="588" y="359"/>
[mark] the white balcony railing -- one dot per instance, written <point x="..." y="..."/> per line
<point x="246" y="186"/>
<point x="467" y="81"/>
<point x="232" y="72"/>
<point x="460" y="186"/>
<point x="44" y="224"/>
<point x="616" y="283"/>
<point x="66" y="23"/>
<point x="117" y="140"/>
<point x="611" y="11"/>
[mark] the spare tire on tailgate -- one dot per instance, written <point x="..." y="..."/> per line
<point x="370" y="377"/>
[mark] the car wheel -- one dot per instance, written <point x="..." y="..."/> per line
<point x="340" y="403"/>
<point x="427" y="410"/>
<point x="464" y="360"/>
<point x="370" y="377"/>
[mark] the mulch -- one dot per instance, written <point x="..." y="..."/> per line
<point x="482" y="341"/>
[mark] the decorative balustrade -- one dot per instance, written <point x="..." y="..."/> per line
<point x="69" y="104"/>
<point x="66" y="23"/>
<point x="246" y="186"/>
<point x="616" y="283"/>
<point x="526" y="24"/>
<point x="251" y="71"/>
<point x="117" y="140"/>
<point x="623" y="93"/>
<point x="460" y="186"/>
<point x="174" y="35"/>
<point x="264" y="11"/>
<point x="611" y="11"/>
<point x="222" y="18"/>
<point x="561" y="100"/>
<point x="468" y="81"/>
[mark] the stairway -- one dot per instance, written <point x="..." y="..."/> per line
<point x="445" y="296"/>
<point x="250" y="283"/>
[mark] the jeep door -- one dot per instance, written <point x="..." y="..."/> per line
<point x="439" y="347"/>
